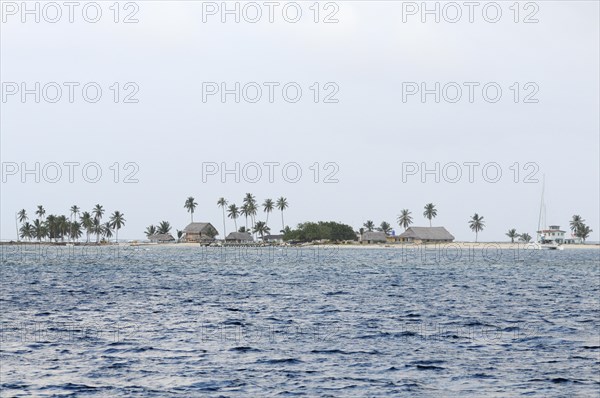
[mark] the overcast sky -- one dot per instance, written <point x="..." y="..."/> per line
<point x="371" y="123"/>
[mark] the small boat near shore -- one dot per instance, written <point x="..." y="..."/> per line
<point x="544" y="246"/>
<point x="543" y="241"/>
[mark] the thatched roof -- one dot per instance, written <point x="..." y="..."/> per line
<point x="241" y="236"/>
<point x="374" y="236"/>
<point x="427" y="233"/>
<point x="162" y="238"/>
<point x="199" y="228"/>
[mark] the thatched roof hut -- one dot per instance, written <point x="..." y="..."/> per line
<point x="426" y="234"/>
<point x="373" y="237"/>
<point x="161" y="238"/>
<point x="200" y="231"/>
<point x="239" y="237"/>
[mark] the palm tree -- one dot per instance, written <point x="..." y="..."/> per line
<point x="22" y="216"/>
<point x="476" y="224"/>
<point x="405" y="218"/>
<point x="244" y="212"/>
<point x="179" y="235"/>
<point x="150" y="230"/>
<point x="583" y="232"/>
<point x="369" y="225"/>
<point x="233" y="212"/>
<point x="190" y="205"/>
<point x="252" y="209"/>
<point x="268" y="207"/>
<point x="75" y="231"/>
<point x="39" y="229"/>
<point x="525" y="237"/>
<point x="117" y="220"/>
<point x="62" y="226"/>
<point x="98" y="212"/>
<point x="512" y="234"/>
<point x="107" y="231"/>
<point x="222" y="203"/>
<point x="249" y="198"/>
<point x="282" y="204"/>
<point x="430" y="212"/>
<point x="74" y="213"/>
<point x="31" y="231"/>
<point x="50" y="225"/>
<point x="26" y="231"/>
<point x="385" y="227"/>
<point x="576" y="222"/>
<point x="164" y="227"/>
<point x="40" y="212"/>
<point x="87" y="223"/>
<point x="261" y="228"/>
<point x="97" y="229"/>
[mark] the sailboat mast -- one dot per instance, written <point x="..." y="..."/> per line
<point x="542" y="207"/>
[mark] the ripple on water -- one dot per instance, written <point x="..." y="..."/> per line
<point x="180" y="322"/>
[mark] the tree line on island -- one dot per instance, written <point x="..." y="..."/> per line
<point x="55" y="228"/>
<point x="476" y="224"/>
<point x="330" y="230"/>
<point x="249" y="210"/>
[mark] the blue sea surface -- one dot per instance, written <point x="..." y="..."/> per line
<point x="191" y="321"/>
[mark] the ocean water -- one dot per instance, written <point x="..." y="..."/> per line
<point x="188" y="321"/>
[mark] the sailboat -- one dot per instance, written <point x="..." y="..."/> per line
<point x="544" y="242"/>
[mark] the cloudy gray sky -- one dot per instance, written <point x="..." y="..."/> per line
<point x="364" y="125"/>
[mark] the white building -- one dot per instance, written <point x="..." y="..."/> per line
<point x="557" y="235"/>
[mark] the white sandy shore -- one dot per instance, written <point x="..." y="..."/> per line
<point x="449" y="246"/>
<point x="460" y="245"/>
<point x="389" y="246"/>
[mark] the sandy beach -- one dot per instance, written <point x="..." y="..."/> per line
<point x="391" y="246"/>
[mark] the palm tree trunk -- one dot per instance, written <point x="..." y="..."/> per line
<point x="224" y="229"/>
<point x="430" y="223"/>
<point x="282" y="223"/>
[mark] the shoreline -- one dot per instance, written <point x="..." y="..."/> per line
<point x="390" y="246"/>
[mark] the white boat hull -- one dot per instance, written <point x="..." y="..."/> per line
<point x="549" y="246"/>
<point x="543" y="246"/>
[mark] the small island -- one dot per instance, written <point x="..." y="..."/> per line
<point x="89" y="228"/>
